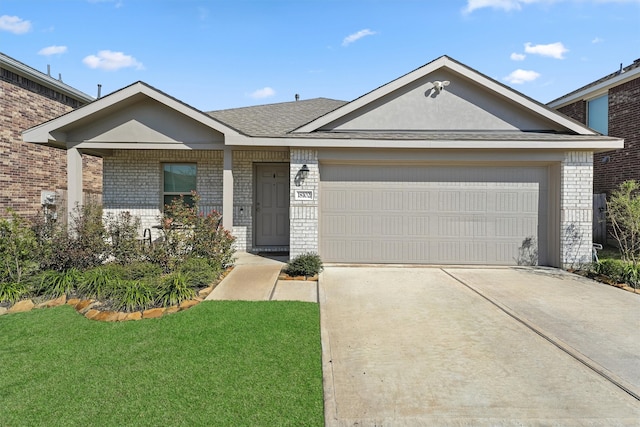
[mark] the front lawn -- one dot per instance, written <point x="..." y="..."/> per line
<point x="223" y="363"/>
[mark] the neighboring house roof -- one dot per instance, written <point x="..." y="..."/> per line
<point x="275" y="119"/>
<point x="18" y="67"/>
<point x="600" y="86"/>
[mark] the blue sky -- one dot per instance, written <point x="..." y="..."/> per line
<point x="231" y="53"/>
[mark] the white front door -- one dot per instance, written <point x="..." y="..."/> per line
<point x="272" y="204"/>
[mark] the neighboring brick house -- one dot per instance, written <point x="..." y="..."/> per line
<point x="610" y="105"/>
<point x="443" y="165"/>
<point x="27" y="98"/>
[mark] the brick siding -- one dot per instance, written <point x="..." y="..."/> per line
<point x="576" y="208"/>
<point x="614" y="167"/>
<point x="133" y="182"/>
<point x="26" y="169"/>
<point x="304" y="232"/>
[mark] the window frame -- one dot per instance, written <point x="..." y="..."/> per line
<point x="187" y="194"/>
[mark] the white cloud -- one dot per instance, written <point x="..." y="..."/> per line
<point x="265" y="92"/>
<point x="597" y="40"/>
<point x="118" y="3"/>
<point x="111" y="61"/>
<point x="519" y="76"/>
<point x="14" y="24"/>
<point x="52" y="50"/>
<point x="518" y="56"/>
<point x="552" y="50"/>
<point x="357" y="36"/>
<point x="506" y="5"/>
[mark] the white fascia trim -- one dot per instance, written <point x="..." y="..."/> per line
<point x="591" y="145"/>
<point x="44" y="133"/>
<point x="147" y="146"/>
<point x="594" y="91"/>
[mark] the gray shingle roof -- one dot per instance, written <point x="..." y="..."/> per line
<point x="634" y="65"/>
<point x="453" y="136"/>
<point x="275" y="119"/>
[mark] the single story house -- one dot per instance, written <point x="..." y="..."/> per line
<point x="443" y="165"/>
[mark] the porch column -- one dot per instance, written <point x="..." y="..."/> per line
<point x="227" y="190"/>
<point x="74" y="181"/>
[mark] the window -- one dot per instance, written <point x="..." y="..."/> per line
<point x="598" y="114"/>
<point x="179" y="179"/>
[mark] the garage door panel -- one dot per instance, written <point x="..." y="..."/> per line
<point x="430" y="214"/>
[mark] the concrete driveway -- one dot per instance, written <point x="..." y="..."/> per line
<point x="406" y="346"/>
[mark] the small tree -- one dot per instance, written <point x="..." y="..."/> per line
<point x="623" y="212"/>
<point x="17" y="248"/>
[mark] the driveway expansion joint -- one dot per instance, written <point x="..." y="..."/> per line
<point x="569" y="350"/>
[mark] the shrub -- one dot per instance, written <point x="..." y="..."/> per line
<point x="122" y="228"/>
<point x="80" y="246"/>
<point x="187" y="232"/>
<point x="199" y="271"/>
<point x="623" y="211"/>
<point x="175" y="288"/>
<point x="619" y="271"/>
<point x="57" y="283"/>
<point x="132" y="295"/>
<point x="99" y="282"/>
<point x="307" y="265"/>
<point x="18" y="245"/>
<point x="141" y="270"/>
<point x="12" y="291"/>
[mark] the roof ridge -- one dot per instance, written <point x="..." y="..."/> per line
<point x="276" y="103"/>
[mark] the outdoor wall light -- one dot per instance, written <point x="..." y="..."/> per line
<point x="301" y="175"/>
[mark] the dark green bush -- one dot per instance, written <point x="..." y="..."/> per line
<point x="57" y="283"/>
<point x="132" y="295"/>
<point x="619" y="271"/>
<point x="99" y="282"/>
<point x="307" y="265"/>
<point x="12" y="291"/>
<point x="18" y="246"/>
<point x="176" y="287"/>
<point x="141" y="270"/>
<point x="199" y="271"/>
<point x="81" y="246"/>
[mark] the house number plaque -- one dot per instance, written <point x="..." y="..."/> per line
<point x="304" y="195"/>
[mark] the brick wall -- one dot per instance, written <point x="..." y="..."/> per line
<point x="577" y="111"/>
<point x="243" y="183"/>
<point x="576" y="210"/>
<point x="613" y="167"/>
<point x="304" y="213"/>
<point x="133" y="182"/>
<point x="26" y="169"/>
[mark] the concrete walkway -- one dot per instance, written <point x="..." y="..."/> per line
<point x="421" y="346"/>
<point x="255" y="278"/>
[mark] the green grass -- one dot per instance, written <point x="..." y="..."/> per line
<point x="609" y="252"/>
<point x="221" y="363"/>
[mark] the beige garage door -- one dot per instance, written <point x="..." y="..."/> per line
<point x="432" y="214"/>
